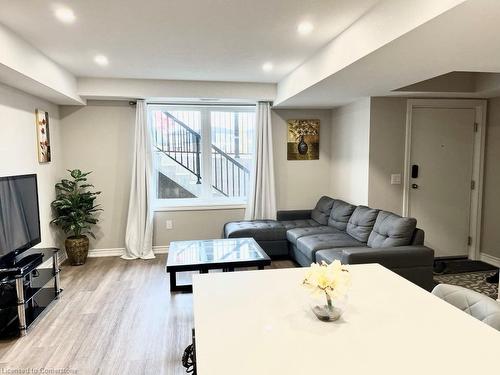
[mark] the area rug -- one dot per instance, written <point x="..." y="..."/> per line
<point x="471" y="280"/>
<point x="452" y="266"/>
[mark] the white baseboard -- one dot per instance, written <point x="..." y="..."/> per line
<point x="119" y="251"/>
<point x="494" y="261"/>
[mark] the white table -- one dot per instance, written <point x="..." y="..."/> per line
<point x="259" y="322"/>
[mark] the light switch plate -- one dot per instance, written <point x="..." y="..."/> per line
<point x="396" y="179"/>
<point x="169" y="224"/>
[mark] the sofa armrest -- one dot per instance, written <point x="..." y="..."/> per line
<point x="293" y="215"/>
<point x="391" y="257"/>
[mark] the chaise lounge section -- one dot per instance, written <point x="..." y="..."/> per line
<point x="337" y="230"/>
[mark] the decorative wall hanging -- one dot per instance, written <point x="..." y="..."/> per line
<point x="303" y="140"/>
<point x="43" y="136"/>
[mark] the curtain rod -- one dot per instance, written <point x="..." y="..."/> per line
<point x="202" y="104"/>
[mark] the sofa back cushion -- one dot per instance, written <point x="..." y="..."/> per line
<point x="392" y="230"/>
<point x="340" y="214"/>
<point x="361" y="223"/>
<point x="322" y="210"/>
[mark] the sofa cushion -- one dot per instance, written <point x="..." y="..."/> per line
<point x="322" y="210"/>
<point x="390" y="257"/>
<point x="308" y="245"/>
<point x="392" y="230"/>
<point x="340" y="214"/>
<point x="294" y="234"/>
<point x="292" y="224"/>
<point x="328" y="255"/>
<point x="263" y="230"/>
<point x="361" y="223"/>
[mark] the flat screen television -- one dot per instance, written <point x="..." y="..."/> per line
<point x="19" y="216"/>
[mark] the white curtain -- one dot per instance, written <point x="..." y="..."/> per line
<point x="262" y="199"/>
<point x="139" y="234"/>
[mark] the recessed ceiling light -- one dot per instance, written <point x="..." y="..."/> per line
<point x="64" y="14"/>
<point x="267" y="67"/>
<point x="305" y="28"/>
<point x="101" y="60"/>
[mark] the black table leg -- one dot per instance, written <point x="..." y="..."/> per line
<point x="173" y="281"/>
<point x="260" y="267"/>
<point x="178" y="288"/>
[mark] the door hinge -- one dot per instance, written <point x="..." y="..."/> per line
<point x="476" y="125"/>
<point x="469" y="241"/>
<point x="472" y="185"/>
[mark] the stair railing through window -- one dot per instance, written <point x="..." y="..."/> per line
<point x="182" y="144"/>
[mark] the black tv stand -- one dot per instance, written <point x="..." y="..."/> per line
<point x="27" y="288"/>
<point x="20" y="266"/>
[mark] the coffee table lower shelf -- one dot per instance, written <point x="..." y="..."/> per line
<point x="172" y="271"/>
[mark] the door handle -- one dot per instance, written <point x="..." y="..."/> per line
<point x="414" y="186"/>
<point x="414" y="171"/>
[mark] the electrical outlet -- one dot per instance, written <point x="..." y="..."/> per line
<point x="169" y="224"/>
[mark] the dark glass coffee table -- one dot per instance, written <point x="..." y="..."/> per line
<point x="226" y="254"/>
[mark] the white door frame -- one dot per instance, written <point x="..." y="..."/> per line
<point x="478" y="163"/>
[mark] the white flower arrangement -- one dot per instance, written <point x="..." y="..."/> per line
<point x="332" y="279"/>
<point x="301" y="128"/>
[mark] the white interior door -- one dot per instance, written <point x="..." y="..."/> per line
<point x="442" y="146"/>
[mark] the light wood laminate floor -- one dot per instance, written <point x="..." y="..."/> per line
<point x="114" y="317"/>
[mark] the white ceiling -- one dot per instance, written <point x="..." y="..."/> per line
<point x="465" y="38"/>
<point x="218" y="40"/>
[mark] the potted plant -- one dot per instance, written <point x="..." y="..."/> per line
<point x="75" y="213"/>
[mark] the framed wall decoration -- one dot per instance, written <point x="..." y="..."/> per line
<point x="303" y="140"/>
<point x="43" y="136"/>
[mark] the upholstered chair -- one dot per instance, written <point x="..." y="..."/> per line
<point x="473" y="303"/>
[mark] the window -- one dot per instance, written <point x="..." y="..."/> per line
<point x="203" y="154"/>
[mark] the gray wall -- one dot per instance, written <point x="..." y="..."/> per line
<point x="18" y="153"/>
<point x="299" y="183"/>
<point x="490" y="241"/>
<point x="99" y="137"/>
<point x="350" y="144"/>
<point x="192" y="224"/>
<point x="387" y="152"/>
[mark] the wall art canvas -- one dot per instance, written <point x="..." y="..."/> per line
<point x="303" y="140"/>
<point x="43" y="136"/>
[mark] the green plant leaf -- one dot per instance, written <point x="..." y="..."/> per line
<point x="68" y="183"/>
<point x="76" y="173"/>
<point x="60" y="186"/>
<point x="74" y="208"/>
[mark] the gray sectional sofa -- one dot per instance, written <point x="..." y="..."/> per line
<point x="335" y="229"/>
